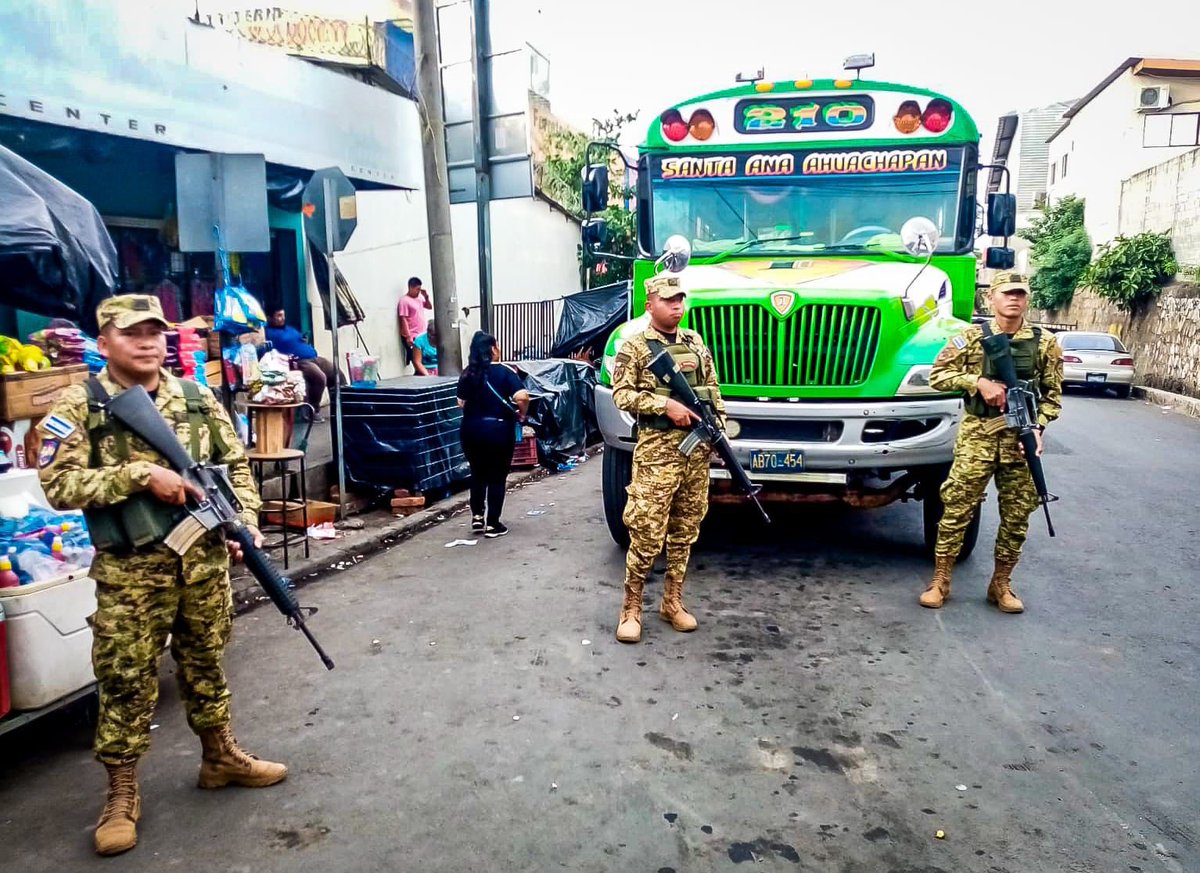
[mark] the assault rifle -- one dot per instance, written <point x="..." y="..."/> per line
<point x="707" y="429"/>
<point x="218" y="510"/>
<point x="1020" y="412"/>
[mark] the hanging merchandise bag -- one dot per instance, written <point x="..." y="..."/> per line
<point x="235" y="309"/>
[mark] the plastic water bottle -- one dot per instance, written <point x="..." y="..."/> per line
<point x="8" y="579"/>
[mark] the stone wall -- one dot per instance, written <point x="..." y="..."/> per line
<point x="1164" y="338"/>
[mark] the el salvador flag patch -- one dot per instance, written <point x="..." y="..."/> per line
<point x="960" y="342"/>
<point x="57" y="426"/>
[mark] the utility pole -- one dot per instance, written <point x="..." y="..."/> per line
<point x="481" y="98"/>
<point x="437" y="187"/>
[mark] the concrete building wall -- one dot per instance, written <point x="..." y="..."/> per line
<point x="1166" y="199"/>
<point x="1104" y="145"/>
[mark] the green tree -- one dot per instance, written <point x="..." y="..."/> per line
<point x="1132" y="270"/>
<point x="561" y="179"/>
<point x="1061" y="252"/>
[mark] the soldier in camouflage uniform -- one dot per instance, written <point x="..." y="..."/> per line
<point x="145" y="593"/>
<point x="985" y="447"/>
<point x="668" y="493"/>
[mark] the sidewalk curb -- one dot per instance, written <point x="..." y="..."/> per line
<point x="1189" y="406"/>
<point x="247" y="595"/>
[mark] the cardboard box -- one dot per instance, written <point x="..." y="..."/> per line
<point x="30" y="395"/>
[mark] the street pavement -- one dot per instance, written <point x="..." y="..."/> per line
<point x="482" y="716"/>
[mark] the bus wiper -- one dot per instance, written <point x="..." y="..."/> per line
<point x="751" y="243"/>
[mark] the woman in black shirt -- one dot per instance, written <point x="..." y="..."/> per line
<point x="494" y="403"/>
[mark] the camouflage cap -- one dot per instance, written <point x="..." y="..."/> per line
<point x="1007" y="282"/>
<point x="126" y="310"/>
<point x="665" y="286"/>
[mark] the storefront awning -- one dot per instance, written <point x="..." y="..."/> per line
<point x="147" y="73"/>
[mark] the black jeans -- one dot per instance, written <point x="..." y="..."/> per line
<point x="488" y="444"/>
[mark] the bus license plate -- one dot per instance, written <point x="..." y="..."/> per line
<point x="762" y="461"/>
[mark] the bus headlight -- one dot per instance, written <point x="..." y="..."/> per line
<point x="916" y="381"/>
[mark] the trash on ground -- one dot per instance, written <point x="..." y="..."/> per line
<point x="585" y="642"/>
<point x="153" y="727"/>
<point x="516" y="718"/>
<point x="323" y="531"/>
<point x="941" y="835"/>
<point x="454" y="543"/>
<point x="554" y="786"/>
<point x="675" y="716"/>
<point x="960" y="788"/>
<point x="534" y="513"/>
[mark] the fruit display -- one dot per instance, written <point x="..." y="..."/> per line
<point x="16" y="356"/>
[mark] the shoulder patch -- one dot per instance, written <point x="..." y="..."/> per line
<point x="57" y="426"/>
<point x="960" y="342"/>
<point x="47" y="453"/>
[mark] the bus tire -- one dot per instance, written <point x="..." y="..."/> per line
<point x="616" y="474"/>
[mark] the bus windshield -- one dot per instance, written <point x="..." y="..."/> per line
<point x="830" y="205"/>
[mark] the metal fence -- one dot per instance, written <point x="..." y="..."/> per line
<point x="525" y="331"/>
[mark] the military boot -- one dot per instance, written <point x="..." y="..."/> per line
<point x="1000" y="588"/>
<point x="671" y="609"/>
<point x="629" y="626"/>
<point x="225" y="763"/>
<point x="116" y="832"/>
<point x="938" y="591"/>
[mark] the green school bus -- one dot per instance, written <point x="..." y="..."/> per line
<point x="830" y="229"/>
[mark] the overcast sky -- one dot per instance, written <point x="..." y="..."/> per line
<point x="646" y="54"/>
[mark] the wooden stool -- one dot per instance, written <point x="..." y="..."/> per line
<point x="282" y="459"/>
<point x="271" y="424"/>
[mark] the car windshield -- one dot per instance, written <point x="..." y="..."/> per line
<point x="813" y="202"/>
<point x="1090" y="342"/>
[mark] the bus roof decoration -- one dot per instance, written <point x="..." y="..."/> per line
<point x="808" y="111"/>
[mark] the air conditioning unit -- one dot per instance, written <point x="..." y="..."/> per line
<point x="1155" y="97"/>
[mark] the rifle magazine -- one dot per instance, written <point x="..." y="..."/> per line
<point x="184" y="535"/>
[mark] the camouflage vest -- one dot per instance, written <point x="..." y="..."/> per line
<point x="141" y="519"/>
<point x="692" y="368"/>
<point x="1025" y="361"/>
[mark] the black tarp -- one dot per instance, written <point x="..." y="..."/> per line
<point x="404" y="433"/>
<point x="562" y="409"/>
<point x="588" y="318"/>
<point x="56" y="256"/>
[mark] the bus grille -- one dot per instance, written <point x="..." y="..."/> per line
<point x="818" y="345"/>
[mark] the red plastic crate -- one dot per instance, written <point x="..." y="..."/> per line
<point x="525" y="453"/>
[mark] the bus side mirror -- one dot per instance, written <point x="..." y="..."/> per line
<point x="594" y="232"/>
<point x="1000" y="258"/>
<point x="595" y="188"/>
<point x="1002" y="214"/>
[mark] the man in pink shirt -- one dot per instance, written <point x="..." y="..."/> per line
<point x="411" y="314"/>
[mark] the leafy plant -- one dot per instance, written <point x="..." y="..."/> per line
<point x="561" y="177"/>
<point x="1132" y="270"/>
<point x="1061" y="252"/>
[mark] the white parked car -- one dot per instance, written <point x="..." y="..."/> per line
<point x="1096" y="361"/>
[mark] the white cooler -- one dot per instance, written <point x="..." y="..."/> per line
<point x="49" y="639"/>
